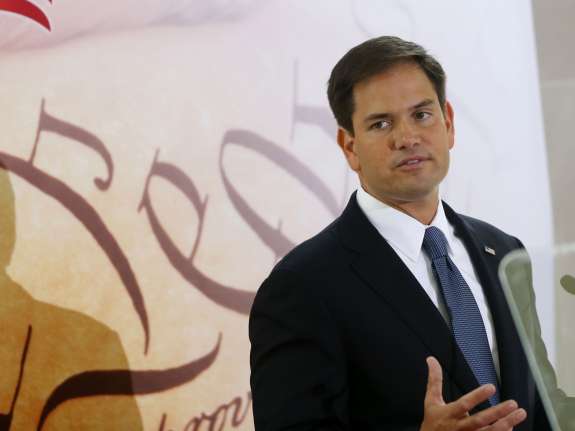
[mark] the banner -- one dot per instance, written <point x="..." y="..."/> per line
<point x="159" y="157"/>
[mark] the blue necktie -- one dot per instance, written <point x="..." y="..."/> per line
<point x="466" y="322"/>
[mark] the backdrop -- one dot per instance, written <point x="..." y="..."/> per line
<point x="160" y="156"/>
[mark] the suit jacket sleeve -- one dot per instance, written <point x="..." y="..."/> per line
<point x="298" y="366"/>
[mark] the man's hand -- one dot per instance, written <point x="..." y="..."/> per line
<point x="454" y="416"/>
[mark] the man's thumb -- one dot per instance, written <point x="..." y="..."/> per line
<point x="434" y="393"/>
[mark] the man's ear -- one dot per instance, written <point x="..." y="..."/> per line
<point x="346" y="142"/>
<point x="449" y="124"/>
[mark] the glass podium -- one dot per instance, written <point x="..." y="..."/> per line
<point x="553" y="368"/>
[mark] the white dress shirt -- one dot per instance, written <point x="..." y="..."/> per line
<point x="405" y="235"/>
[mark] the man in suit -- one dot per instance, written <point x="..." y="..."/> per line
<point x="391" y="318"/>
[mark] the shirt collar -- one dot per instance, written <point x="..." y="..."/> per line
<point x="399" y="229"/>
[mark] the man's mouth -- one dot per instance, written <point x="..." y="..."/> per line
<point x="412" y="162"/>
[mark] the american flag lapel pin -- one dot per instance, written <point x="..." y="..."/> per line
<point x="489" y="250"/>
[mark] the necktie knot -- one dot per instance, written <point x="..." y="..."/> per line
<point x="434" y="243"/>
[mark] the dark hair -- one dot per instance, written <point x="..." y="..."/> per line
<point x="371" y="58"/>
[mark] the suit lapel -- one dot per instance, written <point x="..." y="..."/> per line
<point x="513" y="365"/>
<point x="381" y="269"/>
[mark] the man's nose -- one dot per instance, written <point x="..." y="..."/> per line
<point x="405" y="135"/>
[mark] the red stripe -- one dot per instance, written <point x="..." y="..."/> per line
<point x="26" y="9"/>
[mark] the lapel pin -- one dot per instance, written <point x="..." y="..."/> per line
<point x="489" y="250"/>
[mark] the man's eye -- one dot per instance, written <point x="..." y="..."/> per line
<point x="422" y="115"/>
<point x="382" y="124"/>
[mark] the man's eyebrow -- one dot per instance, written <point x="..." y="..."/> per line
<point x="376" y="116"/>
<point x="422" y="104"/>
<point x="386" y="115"/>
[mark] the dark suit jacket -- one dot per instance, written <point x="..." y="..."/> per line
<point x="340" y="331"/>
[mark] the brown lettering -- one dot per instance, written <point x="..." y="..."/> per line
<point x="271" y="236"/>
<point x="49" y="123"/>
<point x="217" y="420"/>
<point x="228" y="297"/>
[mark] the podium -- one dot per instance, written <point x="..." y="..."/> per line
<point x="553" y="367"/>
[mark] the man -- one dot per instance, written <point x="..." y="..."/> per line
<point x="391" y="318"/>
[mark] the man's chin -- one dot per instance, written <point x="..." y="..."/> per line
<point x="411" y="196"/>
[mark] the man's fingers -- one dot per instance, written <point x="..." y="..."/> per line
<point x="434" y="392"/>
<point x="502" y="417"/>
<point x="508" y="422"/>
<point x="489" y="416"/>
<point x="460" y="407"/>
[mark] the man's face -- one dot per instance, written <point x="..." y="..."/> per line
<point x="400" y="148"/>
